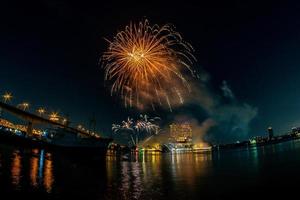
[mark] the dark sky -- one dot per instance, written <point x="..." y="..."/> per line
<point x="49" y="52"/>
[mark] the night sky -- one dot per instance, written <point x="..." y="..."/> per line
<point x="49" y="53"/>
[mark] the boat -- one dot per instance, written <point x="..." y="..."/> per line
<point x="202" y="149"/>
<point x="185" y="148"/>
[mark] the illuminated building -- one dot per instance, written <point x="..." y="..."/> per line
<point x="181" y="132"/>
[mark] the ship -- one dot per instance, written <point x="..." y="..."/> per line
<point x="186" y="148"/>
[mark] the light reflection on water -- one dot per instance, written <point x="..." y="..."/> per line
<point x="48" y="178"/>
<point x="16" y="167"/>
<point x="146" y="175"/>
<point x="34" y="163"/>
<point x="150" y="176"/>
<point x="31" y="166"/>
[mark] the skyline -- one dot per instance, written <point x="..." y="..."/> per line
<point x="50" y="58"/>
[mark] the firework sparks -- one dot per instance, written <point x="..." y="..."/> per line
<point x="147" y="65"/>
<point x="143" y="125"/>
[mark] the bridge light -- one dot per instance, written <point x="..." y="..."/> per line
<point x="79" y="127"/>
<point x="24" y="106"/>
<point x="7" y="97"/>
<point x="41" y="111"/>
<point x="54" y="116"/>
<point x="64" y="121"/>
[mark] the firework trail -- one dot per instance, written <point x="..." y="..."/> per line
<point x="147" y="65"/>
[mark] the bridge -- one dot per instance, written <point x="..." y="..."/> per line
<point x="33" y="119"/>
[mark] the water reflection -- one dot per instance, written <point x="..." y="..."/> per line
<point x="110" y="168"/>
<point x="187" y="169"/>
<point x="253" y="155"/>
<point x="125" y="179"/>
<point x="32" y="165"/>
<point x="16" y="167"/>
<point x="148" y="175"/>
<point x="136" y="180"/>
<point x="48" y="173"/>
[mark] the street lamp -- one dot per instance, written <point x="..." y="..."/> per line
<point x="41" y="111"/>
<point x="7" y="97"/>
<point x="64" y="121"/>
<point x="54" y="116"/>
<point x="24" y="106"/>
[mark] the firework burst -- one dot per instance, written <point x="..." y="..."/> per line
<point x="147" y="65"/>
<point x="135" y="128"/>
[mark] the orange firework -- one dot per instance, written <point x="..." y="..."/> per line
<point x="147" y="65"/>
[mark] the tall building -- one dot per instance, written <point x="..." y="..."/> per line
<point x="270" y="132"/>
<point x="181" y="132"/>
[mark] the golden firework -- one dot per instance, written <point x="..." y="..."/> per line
<point x="146" y="65"/>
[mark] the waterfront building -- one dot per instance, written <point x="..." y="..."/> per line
<point x="270" y="132"/>
<point x="181" y="132"/>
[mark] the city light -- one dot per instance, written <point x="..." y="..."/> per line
<point x="79" y="127"/>
<point x="7" y="97"/>
<point x="41" y="111"/>
<point x="54" y="116"/>
<point x="64" y="121"/>
<point x="24" y="106"/>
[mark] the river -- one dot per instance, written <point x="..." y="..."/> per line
<point x="233" y="174"/>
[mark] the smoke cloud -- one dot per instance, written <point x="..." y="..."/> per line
<point x="227" y="92"/>
<point x="225" y="118"/>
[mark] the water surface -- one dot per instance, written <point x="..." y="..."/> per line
<point x="234" y="174"/>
